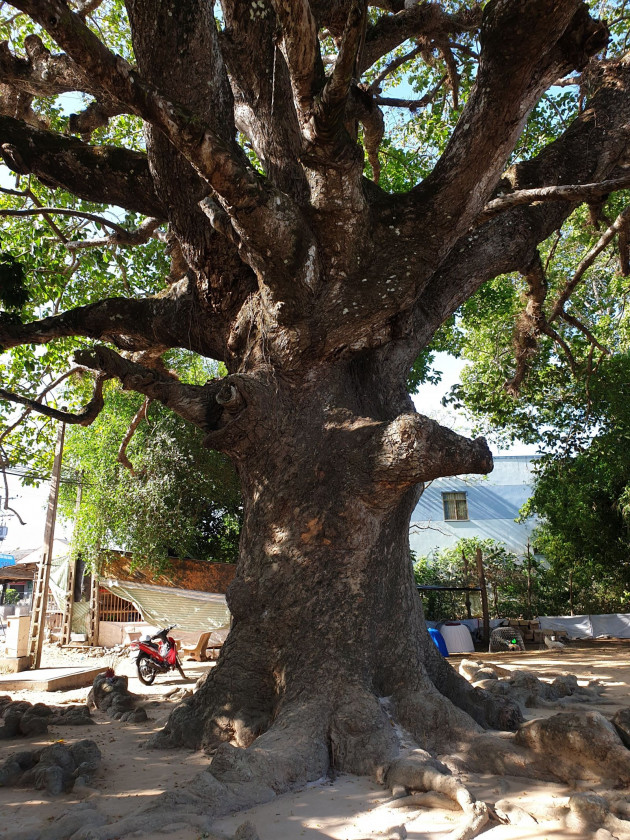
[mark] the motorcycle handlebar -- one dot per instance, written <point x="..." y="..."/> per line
<point x="165" y="630"/>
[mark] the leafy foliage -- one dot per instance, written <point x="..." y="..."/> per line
<point x="506" y="579"/>
<point x="183" y="500"/>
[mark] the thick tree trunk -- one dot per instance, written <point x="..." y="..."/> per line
<point x="328" y="644"/>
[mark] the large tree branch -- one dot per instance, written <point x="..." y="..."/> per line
<point x="7" y="431"/>
<point x="413" y="448"/>
<point x="203" y="142"/>
<point x="529" y="324"/>
<point x="428" y="20"/>
<point x="189" y="401"/>
<point x="141" y="414"/>
<point x="562" y="192"/>
<point x="43" y="74"/>
<point x="301" y="51"/>
<point x="264" y="105"/>
<point x="335" y="93"/>
<point x="168" y="321"/>
<point x="87" y="415"/>
<point x="590" y="151"/>
<point x="65" y="211"/>
<point x="121" y="238"/>
<point x="105" y="174"/>
<point x="525" y="47"/>
<point x="621" y="223"/>
<point x="259" y="213"/>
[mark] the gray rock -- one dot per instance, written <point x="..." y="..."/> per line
<point x="41" y="709"/>
<point x="85" y="751"/>
<point x="10" y="772"/>
<point x="51" y="778"/>
<point x="60" y="755"/>
<point x="123" y="702"/>
<point x="33" y="724"/>
<point x="138" y="715"/>
<point x="12" y="718"/>
<point x="26" y="759"/>
<point x="246" y="831"/>
<point x="74" y="716"/>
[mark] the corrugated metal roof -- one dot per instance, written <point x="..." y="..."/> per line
<point x="162" y="606"/>
<point x="21" y="571"/>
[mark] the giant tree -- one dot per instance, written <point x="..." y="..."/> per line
<point x="317" y="289"/>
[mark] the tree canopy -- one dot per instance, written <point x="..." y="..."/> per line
<point x="159" y="495"/>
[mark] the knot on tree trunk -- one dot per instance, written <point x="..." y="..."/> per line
<point x="238" y="408"/>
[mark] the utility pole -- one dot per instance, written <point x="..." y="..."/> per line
<point x="40" y="596"/>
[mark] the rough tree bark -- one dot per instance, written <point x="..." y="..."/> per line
<point x="318" y="290"/>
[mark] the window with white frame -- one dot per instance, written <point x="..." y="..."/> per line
<point x="455" y="506"/>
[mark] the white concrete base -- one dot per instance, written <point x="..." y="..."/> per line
<point x="49" y="679"/>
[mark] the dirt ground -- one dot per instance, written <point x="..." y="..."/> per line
<point x="343" y="808"/>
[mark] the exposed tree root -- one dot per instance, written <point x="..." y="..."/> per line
<point x="418" y="771"/>
<point x="590" y="815"/>
<point x="578" y="746"/>
<point x="528" y="690"/>
<point x="489" y="711"/>
<point x="293" y="752"/>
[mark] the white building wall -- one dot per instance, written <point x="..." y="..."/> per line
<point x="494" y="502"/>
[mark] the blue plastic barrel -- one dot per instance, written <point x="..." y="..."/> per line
<point x="438" y="639"/>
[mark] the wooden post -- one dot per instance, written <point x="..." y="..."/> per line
<point x="467" y="583"/>
<point x="95" y="616"/>
<point x="40" y="590"/>
<point x="571" y="591"/>
<point x="529" y="582"/>
<point x="484" y="596"/>
<point x="66" y="624"/>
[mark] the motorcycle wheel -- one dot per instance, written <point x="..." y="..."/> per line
<point x="146" y="670"/>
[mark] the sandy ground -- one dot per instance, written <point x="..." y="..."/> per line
<point x="343" y="808"/>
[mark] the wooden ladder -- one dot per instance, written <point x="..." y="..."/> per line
<point x="38" y="609"/>
<point x="40" y="589"/>
<point x="66" y="625"/>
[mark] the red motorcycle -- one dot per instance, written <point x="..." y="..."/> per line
<point x="154" y="659"/>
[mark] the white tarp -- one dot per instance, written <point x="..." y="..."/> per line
<point x="162" y="605"/>
<point x="577" y="626"/>
<point x="457" y="638"/>
<point x="615" y="624"/>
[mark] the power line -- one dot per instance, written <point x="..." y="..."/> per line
<point x="23" y="473"/>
